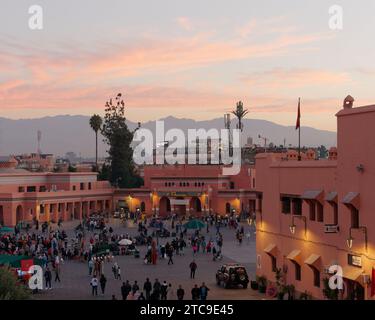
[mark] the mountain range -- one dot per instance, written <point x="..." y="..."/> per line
<point x="67" y="133"/>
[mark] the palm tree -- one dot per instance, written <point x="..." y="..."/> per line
<point x="240" y="113"/>
<point x="96" y="123"/>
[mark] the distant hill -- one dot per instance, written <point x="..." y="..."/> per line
<point x="61" y="134"/>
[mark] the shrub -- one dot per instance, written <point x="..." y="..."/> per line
<point x="10" y="287"/>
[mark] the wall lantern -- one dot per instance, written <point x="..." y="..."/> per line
<point x="349" y="241"/>
<point x="292" y="227"/>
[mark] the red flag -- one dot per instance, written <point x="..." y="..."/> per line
<point x="298" y="124"/>
<point x="26" y="264"/>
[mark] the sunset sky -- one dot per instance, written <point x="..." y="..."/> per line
<point x="191" y="59"/>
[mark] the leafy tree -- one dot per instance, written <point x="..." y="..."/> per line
<point x="322" y="152"/>
<point x="72" y="169"/>
<point x="240" y="113"/>
<point x="10" y="287"/>
<point x="104" y="173"/>
<point x="96" y="123"/>
<point x="118" y="136"/>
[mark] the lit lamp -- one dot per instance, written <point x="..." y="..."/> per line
<point x="349" y="242"/>
<point x="292" y="227"/>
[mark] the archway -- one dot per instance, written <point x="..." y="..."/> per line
<point x="195" y="205"/>
<point x="143" y="207"/>
<point x="164" y="206"/>
<point x="19" y="214"/>
<point x="227" y="208"/>
<point x="1" y="216"/>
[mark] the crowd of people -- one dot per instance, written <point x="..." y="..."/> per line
<point x="92" y="239"/>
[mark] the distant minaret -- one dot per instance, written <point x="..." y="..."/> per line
<point x="39" y="142"/>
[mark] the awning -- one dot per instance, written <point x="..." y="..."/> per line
<point x="312" y="195"/>
<point x="352" y="198"/>
<point x="331" y="196"/>
<point x="352" y="273"/>
<point x="271" y="249"/>
<point x="313" y="261"/>
<point x="295" y="256"/>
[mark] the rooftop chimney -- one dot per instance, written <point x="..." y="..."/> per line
<point x="348" y="102"/>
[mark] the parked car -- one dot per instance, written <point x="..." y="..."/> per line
<point x="232" y="275"/>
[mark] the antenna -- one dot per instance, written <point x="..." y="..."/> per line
<point x="39" y="141"/>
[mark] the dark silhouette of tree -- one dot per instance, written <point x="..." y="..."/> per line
<point x="96" y="123"/>
<point x="118" y="136"/>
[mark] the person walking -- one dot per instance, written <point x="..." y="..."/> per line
<point x="170" y="255"/>
<point x="164" y="291"/>
<point x="193" y="267"/>
<point x="180" y="293"/>
<point x="48" y="277"/>
<point x="147" y="287"/>
<point x="114" y="270"/>
<point x="203" y="291"/>
<point x="125" y="289"/>
<point x="195" y="293"/>
<point x="170" y="293"/>
<point x="135" y="287"/>
<point x="94" y="285"/>
<point x="118" y="273"/>
<point x="91" y="266"/>
<point x="157" y="289"/>
<point x="57" y="273"/>
<point x="103" y="281"/>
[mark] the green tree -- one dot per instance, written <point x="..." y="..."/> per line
<point x="96" y="123"/>
<point x="72" y="169"/>
<point x="118" y="136"/>
<point x="322" y="152"/>
<point x="10" y="288"/>
<point x="240" y="113"/>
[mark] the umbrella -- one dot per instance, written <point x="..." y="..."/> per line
<point x="125" y="242"/>
<point x="194" y="224"/>
<point x="6" y="230"/>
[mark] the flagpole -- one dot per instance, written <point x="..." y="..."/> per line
<point x="299" y="131"/>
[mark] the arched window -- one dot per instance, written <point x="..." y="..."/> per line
<point x="227" y="208"/>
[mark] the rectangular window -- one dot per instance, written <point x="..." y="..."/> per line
<point x="274" y="264"/>
<point x="41" y="209"/>
<point x="231" y="185"/>
<point x="354" y="218"/>
<point x="82" y="186"/>
<point x="21" y="189"/>
<point x="335" y="213"/>
<point x="89" y="186"/>
<point x="297" y="206"/>
<point x="31" y="189"/>
<point x="316" y="277"/>
<point x="42" y="189"/>
<point x="319" y="209"/>
<point x="285" y="205"/>
<point x="74" y="188"/>
<point x="297" y="271"/>
<point x="312" y="210"/>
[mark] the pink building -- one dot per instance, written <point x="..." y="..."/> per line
<point x="191" y="189"/>
<point x="25" y="196"/>
<point x="313" y="214"/>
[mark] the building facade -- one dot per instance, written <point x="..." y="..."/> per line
<point x="190" y="190"/>
<point x="27" y="196"/>
<point x="315" y="214"/>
